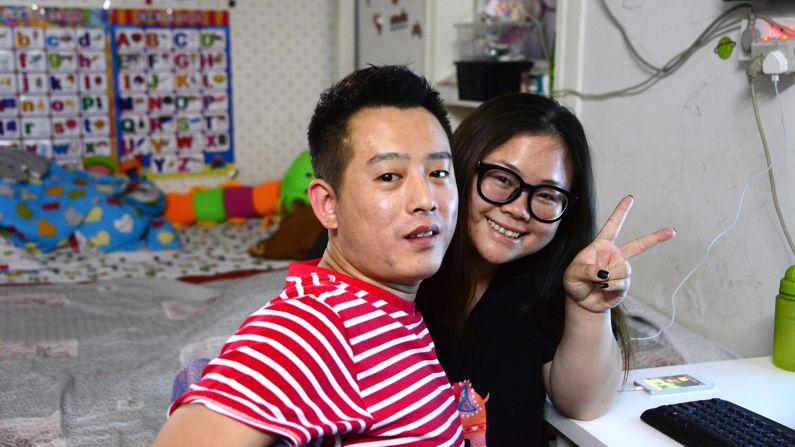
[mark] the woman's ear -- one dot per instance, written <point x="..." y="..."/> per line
<point x="323" y="201"/>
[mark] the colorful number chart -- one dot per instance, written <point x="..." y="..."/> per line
<point x="54" y="90"/>
<point x="172" y="82"/>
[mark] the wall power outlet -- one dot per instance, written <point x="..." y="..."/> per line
<point x="764" y="32"/>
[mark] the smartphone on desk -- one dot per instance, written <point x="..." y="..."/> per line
<point x="677" y="383"/>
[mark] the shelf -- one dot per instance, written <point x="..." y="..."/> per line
<point x="449" y="94"/>
<point x="448" y="89"/>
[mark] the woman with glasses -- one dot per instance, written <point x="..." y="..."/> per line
<point x="526" y="301"/>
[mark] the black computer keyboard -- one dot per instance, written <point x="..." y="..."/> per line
<point x="717" y="422"/>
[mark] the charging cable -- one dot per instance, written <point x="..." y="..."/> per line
<point x="706" y="255"/>
<point x="781" y="112"/>
<point x="630" y="388"/>
<point x="754" y="68"/>
<point x="721" y="25"/>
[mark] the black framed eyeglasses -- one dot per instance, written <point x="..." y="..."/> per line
<point x="499" y="185"/>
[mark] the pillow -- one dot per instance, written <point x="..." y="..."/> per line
<point x="43" y="214"/>
<point x="112" y="225"/>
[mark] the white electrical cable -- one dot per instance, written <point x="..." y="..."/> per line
<point x="644" y="85"/>
<point x="781" y="111"/>
<point x="752" y="72"/>
<point x="706" y="255"/>
<point x="629" y="43"/>
<point x="713" y="30"/>
<point x="630" y="388"/>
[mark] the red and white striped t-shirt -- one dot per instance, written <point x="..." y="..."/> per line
<point x="333" y="361"/>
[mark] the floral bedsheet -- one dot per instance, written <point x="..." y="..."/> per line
<point x="206" y="252"/>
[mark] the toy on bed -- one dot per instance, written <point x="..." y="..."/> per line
<point x="282" y="201"/>
<point x="298" y="229"/>
<point x="55" y="207"/>
<point x="232" y="202"/>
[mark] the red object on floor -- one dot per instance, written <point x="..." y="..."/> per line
<point x="199" y="279"/>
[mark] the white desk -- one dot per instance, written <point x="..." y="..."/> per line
<point x="754" y="383"/>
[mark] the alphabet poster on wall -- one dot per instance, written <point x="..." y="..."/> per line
<point x="54" y="82"/>
<point x="172" y="82"/>
<point x="150" y="89"/>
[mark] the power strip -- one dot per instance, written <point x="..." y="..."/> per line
<point x="778" y="55"/>
<point x="762" y="31"/>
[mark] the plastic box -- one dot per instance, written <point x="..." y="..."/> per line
<point x="500" y="41"/>
<point x="482" y="80"/>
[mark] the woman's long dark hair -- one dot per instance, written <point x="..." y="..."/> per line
<point x="445" y="297"/>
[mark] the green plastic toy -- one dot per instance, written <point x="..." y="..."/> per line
<point x="295" y="182"/>
<point x="725" y="48"/>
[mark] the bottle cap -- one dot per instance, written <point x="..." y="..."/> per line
<point x="787" y="285"/>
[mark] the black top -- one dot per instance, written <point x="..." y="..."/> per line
<point x="504" y="361"/>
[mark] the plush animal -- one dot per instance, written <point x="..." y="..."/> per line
<point x="283" y="201"/>
<point x="297" y="233"/>
<point x="298" y="229"/>
<point x="232" y="202"/>
<point x="295" y="182"/>
<point x="235" y="202"/>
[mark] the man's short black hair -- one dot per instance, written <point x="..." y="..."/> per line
<point x="371" y="87"/>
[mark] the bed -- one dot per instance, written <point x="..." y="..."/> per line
<point x="89" y="346"/>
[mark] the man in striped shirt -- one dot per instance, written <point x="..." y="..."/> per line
<point x="342" y="357"/>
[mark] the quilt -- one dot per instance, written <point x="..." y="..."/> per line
<point x="64" y="207"/>
<point x="93" y="364"/>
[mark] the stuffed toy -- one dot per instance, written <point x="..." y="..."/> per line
<point x="298" y="229"/>
<point x="294" y="238"/>
<point x="99" y="165"/>
<point x="295" y="182"/>
<point x="232" y="202"/>
<point x="283" y="201"/>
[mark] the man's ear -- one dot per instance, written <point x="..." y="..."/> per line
<point x="324" y="202"/>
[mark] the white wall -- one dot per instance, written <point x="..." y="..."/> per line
<point x="685" y="149"/>
<point x="283" y="56"/>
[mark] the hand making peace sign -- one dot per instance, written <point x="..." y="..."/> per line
<point x="598" y="277"/>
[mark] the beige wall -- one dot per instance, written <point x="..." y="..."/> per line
<point x="685" y="149"/>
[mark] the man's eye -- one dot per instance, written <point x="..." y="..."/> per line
<point x="441" y="173"/>
<point x="389" y="177"/>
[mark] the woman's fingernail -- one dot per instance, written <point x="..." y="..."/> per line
<point x="603" y="274"/>
<point x="631" y="196"/>
<point x="603" y="285"/>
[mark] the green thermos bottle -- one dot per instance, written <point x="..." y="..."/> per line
<point x="784" y="328"/>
